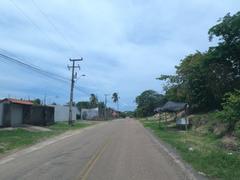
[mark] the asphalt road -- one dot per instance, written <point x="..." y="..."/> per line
<point x="118" y="150"/>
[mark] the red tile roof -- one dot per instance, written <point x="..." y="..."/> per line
<point x="16" y="101"/>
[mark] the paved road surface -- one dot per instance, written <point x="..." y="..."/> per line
<point x="118" y="150"/>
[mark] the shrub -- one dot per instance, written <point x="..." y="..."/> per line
<point x="231" y="109"/>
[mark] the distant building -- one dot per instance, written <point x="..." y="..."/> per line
<point x="14" y="112"/>
<point x="90" y="114"/>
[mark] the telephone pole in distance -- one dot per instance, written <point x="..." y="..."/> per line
<point x="105" y="109"/>
<point x="73" y="67"/>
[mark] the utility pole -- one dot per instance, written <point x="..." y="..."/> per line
<point x="105" y="109"/>
<point x="45" y="100"/>
<point x="73" y="67"/>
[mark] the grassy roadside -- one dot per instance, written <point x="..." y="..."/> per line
<point x="202" y="151"/>
<point x="20" y="138"/>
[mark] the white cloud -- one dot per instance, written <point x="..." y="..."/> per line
<point x="126" y="44"/>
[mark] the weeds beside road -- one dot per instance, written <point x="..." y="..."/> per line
<point x="20" y="138"/>
<point x="201" y="151"/>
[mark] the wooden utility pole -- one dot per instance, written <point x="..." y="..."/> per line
<point x="105" y="109"/>
<point x="73" y="67"/>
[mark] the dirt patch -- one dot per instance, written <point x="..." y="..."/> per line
<point x="219" y="129"/>
<point x="230" y="143"/>
<point x="197" y="121"/>
<point x="35" y="128"/>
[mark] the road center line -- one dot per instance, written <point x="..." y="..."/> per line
<point x="89" y="166"/>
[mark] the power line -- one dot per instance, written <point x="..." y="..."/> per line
<point x="46" y="36"/>
<point x="27" y="17"/>
<point x="7" y="59"/>
<point x="53" y="25"/>
<point x="34" y="68"/>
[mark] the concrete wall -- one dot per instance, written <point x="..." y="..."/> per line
<point x="1" y="114"/>
<point x="38" y="115"/>
<point x="61" y="113"/>
<point x="16" y="115"/>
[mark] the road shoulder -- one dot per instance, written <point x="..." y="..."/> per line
<point x="11" y="155"/>
<point x="173" y="156"/>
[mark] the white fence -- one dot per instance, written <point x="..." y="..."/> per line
<point x="89" y="114"/>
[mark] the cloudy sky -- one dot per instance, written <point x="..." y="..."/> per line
<point x="125" y="44"/>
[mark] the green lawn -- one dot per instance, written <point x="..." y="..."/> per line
<point x="206" y="157"/>
<point x="19" y="138"/>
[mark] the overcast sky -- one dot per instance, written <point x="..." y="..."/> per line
<point x="125" y="44"/>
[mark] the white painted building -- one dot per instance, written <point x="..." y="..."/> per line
<point x="61" y="113"/>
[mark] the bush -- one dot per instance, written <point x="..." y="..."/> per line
<point x="231" y="110"/>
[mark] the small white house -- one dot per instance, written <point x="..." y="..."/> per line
<point x="61" y="113"/>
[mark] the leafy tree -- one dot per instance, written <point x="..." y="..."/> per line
<point x="93" y="100"/>
<point x="83" y="105"/>
<point x="228" y="49"/>
<point x="226" y="55"/>
<point x="202" y="79"/>
<point x="147" y="102"/>
<point x="190" y="84"/>
<point x="36" y="101"/>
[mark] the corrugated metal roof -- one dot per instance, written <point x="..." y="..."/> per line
<point x="171" y="106"/>
<point x="17" y="101"/>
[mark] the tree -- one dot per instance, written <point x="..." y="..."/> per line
<point x="147" y="102"/>
<point x="115" y="99"/>
<point x="83" y="105"/>
<point x="93" y="100"/>
<point x="36" y="101"/>
<point x="202" y="79"/>
<point x="227" y="52"/>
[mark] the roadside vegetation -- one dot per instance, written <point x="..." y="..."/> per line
<point x="204" y="151"/>
<point x="19" y="138"/>
<point x="209" y="82"/>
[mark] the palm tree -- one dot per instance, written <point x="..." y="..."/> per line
<point x="115" y="99"/>
<point x="93" y="100"/>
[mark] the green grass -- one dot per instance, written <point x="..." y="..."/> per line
<point x="207" y="156"/>
<point x="19" y="138"/>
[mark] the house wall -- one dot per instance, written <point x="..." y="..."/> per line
<point x="61" y="113"/>
<point x="1" y="114"/>
<point x="16" y="115"/>
<point x="6" y="115"/>
<point x="38" y="115"/>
